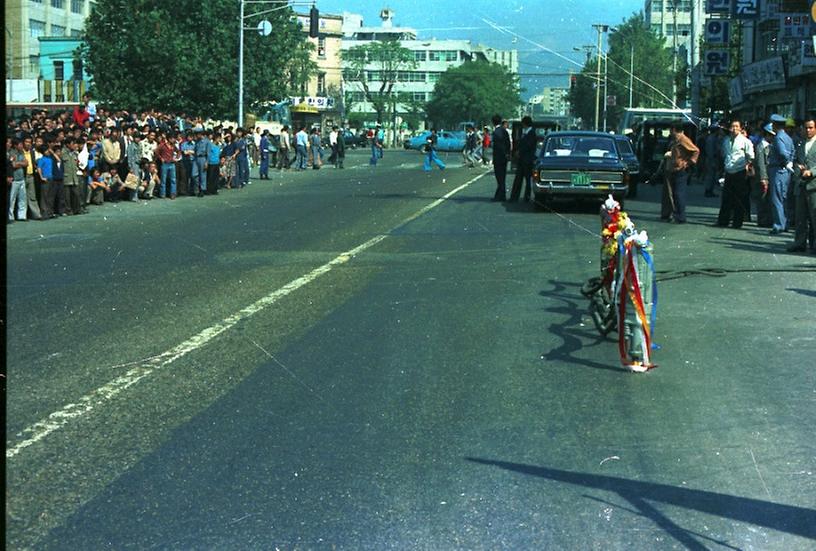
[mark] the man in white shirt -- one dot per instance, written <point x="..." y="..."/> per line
<point x="738" y="152"/>
<point x="333" y="144"/>
<point x="301" y="147"/>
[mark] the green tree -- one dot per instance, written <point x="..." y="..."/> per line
<point x="474" y="91"/>
<point x="376" y="66"/>
<point x="183" y="55"/>
<point x="414" y="111"/>
<point x="632" y="40"/>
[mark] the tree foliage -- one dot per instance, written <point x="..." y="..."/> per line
<point x="652" y="69"/>
<point x="474" y="91"/>
<point x="183" y="55"/>
<point x="376" y="63"/>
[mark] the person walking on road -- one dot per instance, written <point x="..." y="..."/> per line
<point x="526" y="151"/>
<point x="263" y="151"/>
<point x="780" y="168"/>
<point x="376" y="146"/>
<point x="241" y="159"/>
<point x="301" y="145"/>
<point x="340" y="151"/>
<point x="316" y="149"/>
<point x="805" y="200"/>
<point x="681" y="157"/>
<point x="738" y="158"/>
<point x="284" y="145"/>
<point x="431" y="157"/>
<point x="202" y="153"/>
<point x="471" y="144"/>
<point x="333" y="145"/>
<point x="501" y="154"/>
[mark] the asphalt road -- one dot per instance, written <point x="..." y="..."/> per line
<point x="346" y="360"/>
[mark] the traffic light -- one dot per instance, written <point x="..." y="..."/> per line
<point x="573" y="81"/>
<point x="314" y="20"/>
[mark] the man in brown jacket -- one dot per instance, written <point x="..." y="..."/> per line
<point x="681" y="160"/>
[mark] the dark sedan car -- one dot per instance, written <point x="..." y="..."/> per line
<point x="578" y="164"/>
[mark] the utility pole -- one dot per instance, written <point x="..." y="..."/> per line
<point x="631" y="72"/>
<point x="674" y="53"/>
<point x="601" y="29"/>
<point x="606" y="88"/>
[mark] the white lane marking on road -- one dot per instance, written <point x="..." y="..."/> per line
<point x="107" y="392"/>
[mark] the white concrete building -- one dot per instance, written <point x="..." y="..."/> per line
<point x="682" y="20"/>
<point x="433" y="58"/>
<point x="552" y="101"/>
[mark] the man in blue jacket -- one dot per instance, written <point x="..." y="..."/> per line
<point x="780" y="169"/>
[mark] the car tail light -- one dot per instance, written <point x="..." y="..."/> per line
<point x="535" y="176"/>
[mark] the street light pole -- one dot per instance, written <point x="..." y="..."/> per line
<point x="282" y="4"/>
<point x="241" y="68"/>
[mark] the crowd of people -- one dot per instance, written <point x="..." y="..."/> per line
<point x="60" y="164"/>
<point x="765" y="170"/>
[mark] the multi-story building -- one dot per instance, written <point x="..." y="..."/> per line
<point x="433" y="57"/>
<point x="323" y="93"/>
<point x="42" y="38"/>
<point x="28" y="20"/>
<point x="778" y="65"/>
<point x="552" y="101"/>
<point x="680" y="22"/>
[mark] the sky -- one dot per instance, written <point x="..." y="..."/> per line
<point x="532" y="27"/>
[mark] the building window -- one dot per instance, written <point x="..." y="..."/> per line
<point x="59" y="70"/>
<point x="433" y="77"/>
<point x="57" y="30"/>
<point x="75" y="33"/>
<point x="37" y="1"/>
<point x="78" y="6"/>
<point x="37" y="28"/>
<point x="420" y="55"/>
<point x="321" y="84"/>
<point x="443" y="55"/>
<point x="34" y="63"/>
<point x="373" y="76"/>
<point x="59" y="4"/>
<point x="410" y="76"/>
<point x="321" y="47"/>
<point x="418" y="96"/>
<point x="77" y="65"/>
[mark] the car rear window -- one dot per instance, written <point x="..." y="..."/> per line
<point x="625" y="147"/>
<point x="580" y="146"/>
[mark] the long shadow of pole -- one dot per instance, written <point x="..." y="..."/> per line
<point x="783" y="518"/>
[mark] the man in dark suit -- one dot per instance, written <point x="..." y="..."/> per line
<point x="501" y="154"/>
<point x="805" y="191"/>
<point x="525" y="148"/>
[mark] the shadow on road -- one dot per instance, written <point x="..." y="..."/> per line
<point x="574" y="337"/>
<point x="783" y="518"/>
<point x="805" y="292"/>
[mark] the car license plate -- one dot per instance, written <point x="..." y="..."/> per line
<point x="580" y="179"/>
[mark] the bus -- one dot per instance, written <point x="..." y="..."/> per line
<point x="636" y="116"/>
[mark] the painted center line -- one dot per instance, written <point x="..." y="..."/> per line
<point x="145" y="368"/>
